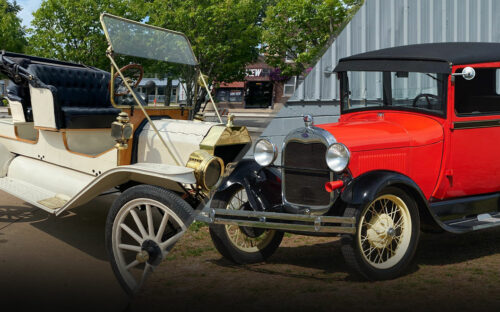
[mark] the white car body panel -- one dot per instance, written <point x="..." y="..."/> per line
<point x="182" y="137"/>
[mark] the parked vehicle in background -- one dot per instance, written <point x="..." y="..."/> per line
<point x="77" y="132"/>
<point x="416" y="148"/>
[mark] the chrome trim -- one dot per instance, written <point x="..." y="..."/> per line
<point x="308" y="135"/>
<point x="348" y="154"/>
<point x="316" y="223"/>
<point x="275" y="151"/>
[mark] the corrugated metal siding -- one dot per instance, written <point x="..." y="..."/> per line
<point x="383" y="24"/>
<point x="389" y="23"/>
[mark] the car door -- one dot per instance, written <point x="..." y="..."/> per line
<point x="473" y="165"/>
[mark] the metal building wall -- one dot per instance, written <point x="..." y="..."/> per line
<point x="382" y="24"/>
<point x="389" y="23"/>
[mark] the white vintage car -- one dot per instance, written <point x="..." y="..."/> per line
<point x="68" y="142"/>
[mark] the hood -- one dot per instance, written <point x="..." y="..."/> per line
<point x="384" y="130"/>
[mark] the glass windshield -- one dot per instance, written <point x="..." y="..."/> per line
<point x="140" y="40"/>
<point x="425" y="92"/>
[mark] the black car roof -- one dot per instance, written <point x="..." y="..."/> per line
<point x="429" y="57"/>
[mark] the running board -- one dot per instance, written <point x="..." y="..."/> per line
<point x="482" y="221"/>
<point x="34" y="195"/>
<point x="280" y="221"/>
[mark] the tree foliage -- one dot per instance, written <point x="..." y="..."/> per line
<point x="299" y="30"/>
<point x="224" y="34"/>
<point x="70" y="29"/>
<point x="12" y="33"/>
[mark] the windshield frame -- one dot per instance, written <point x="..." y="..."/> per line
<point x="345" y="92"/>
<point x="110" y="42"/>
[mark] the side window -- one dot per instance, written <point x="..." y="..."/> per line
<point x="479" y="96"/>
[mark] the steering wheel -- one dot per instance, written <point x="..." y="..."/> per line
<point x="426" y="96"/>
<point x="133" y="74"/>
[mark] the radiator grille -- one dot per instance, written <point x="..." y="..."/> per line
<point x="303" y="186"/>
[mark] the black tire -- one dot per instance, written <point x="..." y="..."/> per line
<point x="176" y="204"/>
<point x="225" y="245"/>
<point x="351" y="244"/>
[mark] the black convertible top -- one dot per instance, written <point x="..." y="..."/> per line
<point x="429" y="57"/>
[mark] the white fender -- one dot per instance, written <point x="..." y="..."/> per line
<point x="5" y="159"/>
<point x="166" y="176"/>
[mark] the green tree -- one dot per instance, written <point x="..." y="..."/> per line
<point x="225" y="35"/>
<point x="298" y="30"/>
<point x="12" y="33"/>
<point x="70" y="29"/>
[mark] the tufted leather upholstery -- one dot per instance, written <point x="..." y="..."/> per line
<point x="21" y="93"/>
<point x="81" y="96"/>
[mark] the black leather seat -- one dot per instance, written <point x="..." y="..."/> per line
<point x="21" y="93"/>
<point x="81" y="95"/>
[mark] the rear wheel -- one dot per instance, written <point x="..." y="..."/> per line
<point x="387" y="234"/>
<point x="143" y="225"/>
<point x="237" y="243"/>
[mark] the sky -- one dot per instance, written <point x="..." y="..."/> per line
<point x="29" y="6"/>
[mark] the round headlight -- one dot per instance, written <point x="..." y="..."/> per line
<point x="265" y="152"/>
<point x="337" y="157"/>
<point x="208" y="169"/>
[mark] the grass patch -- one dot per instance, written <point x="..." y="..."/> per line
<point x="196" y="226"/>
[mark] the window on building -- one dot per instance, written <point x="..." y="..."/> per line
<point x="221" y="95"/>
<point x="229" y="95"/>
<point x="289" y="86"/>
<point x="236" y="96"/>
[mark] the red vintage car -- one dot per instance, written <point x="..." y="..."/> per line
<point x="417" y="147"/>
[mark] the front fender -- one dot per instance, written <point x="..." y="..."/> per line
<point x="364" y="188"/>
<point x="166" y="176"/>
<point x="262" y="184"/>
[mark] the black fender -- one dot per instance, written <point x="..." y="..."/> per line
<point x="363" y="189"/>
<point x="262" y="184"/>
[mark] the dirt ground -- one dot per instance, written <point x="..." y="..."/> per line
<point x="450" y="272"/>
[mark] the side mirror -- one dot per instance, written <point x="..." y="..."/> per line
<point x="468" y="73"/>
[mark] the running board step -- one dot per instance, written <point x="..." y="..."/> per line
<point x="482" y="221"/>
<point x="36" y="196"/>
<point x="280" y="221"/>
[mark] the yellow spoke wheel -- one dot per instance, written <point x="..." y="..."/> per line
<point x="387" y="233"/>
<point x="241" y="244"/>
<point x="384" y="231"/>
<point x="245" y="239"/>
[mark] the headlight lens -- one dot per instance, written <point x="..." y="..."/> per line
<point x="337" y="157"/>
<point x="265" y="152"/>
<point x="208" y="169"/>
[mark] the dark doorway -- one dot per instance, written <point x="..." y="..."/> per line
<point x="259" y="94"/>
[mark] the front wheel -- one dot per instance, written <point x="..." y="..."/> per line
<point x="241" y="244"/>
<point x="143" y="225"/>
<point x="387" y="234"/>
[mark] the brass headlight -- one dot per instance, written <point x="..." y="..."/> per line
<point x="208" y="169"/>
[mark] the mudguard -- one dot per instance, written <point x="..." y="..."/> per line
<point x="364" y="188"/>
<point x="262" y="184"/>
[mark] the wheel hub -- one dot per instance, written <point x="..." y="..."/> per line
<point x="381" y="231"/>
<point x="152" y="251"/>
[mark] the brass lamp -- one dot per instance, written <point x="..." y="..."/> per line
<point x="122" y="131"/>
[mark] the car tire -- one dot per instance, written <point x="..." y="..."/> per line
<point x="149" y="204"/>
<point x="241" y="245"/>
<point x="387" y="235"/>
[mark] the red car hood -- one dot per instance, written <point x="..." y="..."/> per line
<point x="383" y="130"/>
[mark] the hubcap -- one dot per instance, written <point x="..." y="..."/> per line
<point x="384" y="231"/>
<point x="245" y="238"/>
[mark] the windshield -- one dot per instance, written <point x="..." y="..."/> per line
<point x="424" y="92"/>
<point x="145" y="41"/>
